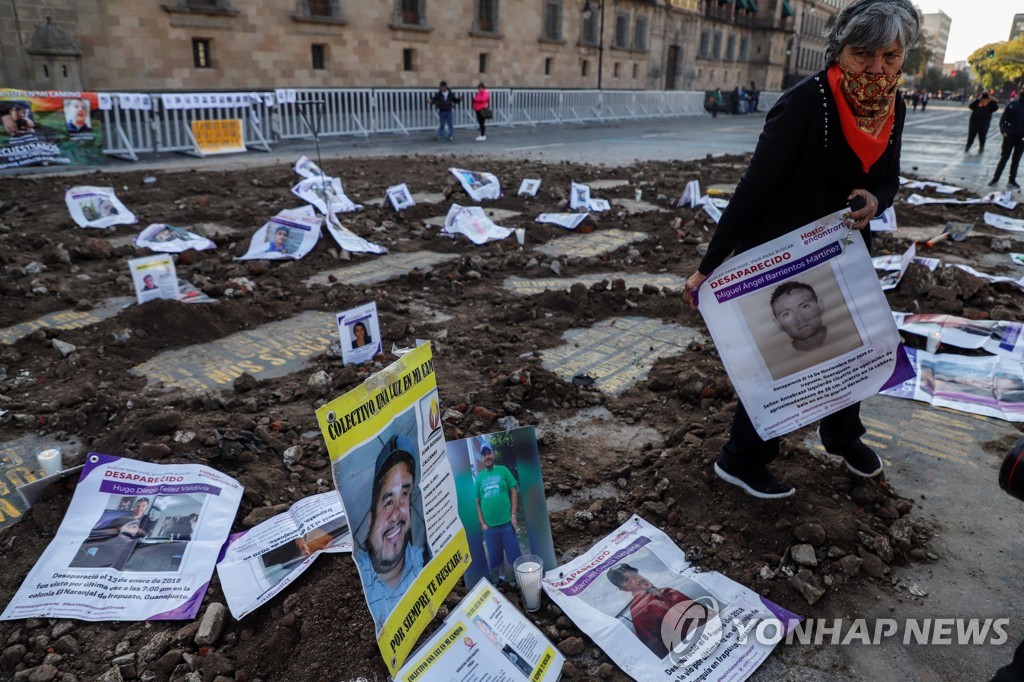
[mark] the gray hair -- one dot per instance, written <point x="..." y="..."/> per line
<point x="872" y="25"/>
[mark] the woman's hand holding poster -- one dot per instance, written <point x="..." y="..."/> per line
<point x="802" y="326"/>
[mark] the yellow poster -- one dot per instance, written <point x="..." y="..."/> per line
<point x="388" y="458"/>
<point x="219" y="136"/>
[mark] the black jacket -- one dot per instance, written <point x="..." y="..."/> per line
<point x="1012" y="121"/>
<point x="982" y="113"/>
<point x="802" y="169"/>
<point x="444" y="103"/>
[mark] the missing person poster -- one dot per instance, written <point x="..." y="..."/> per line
<point x="803" y="326"/>
<point x="219" y="136"/>
<point x="307" y="168"/>
<point x="292" y="233"/>
<point x="501" y="502"/>
<point x="359" y="334"/>
<point x="478" y="185"/>
<point x="387" y="454"/>
<point x="326" y="194"/>
<point x="484" y="638"/>
<point x="169" y="239"/>
<point x="635" y="594"/>
<point x="260" y="562"/>
<point x="154" y="277"/>
<point x="139" y="542"/>
<point x="349" y="240"/>
<point x="50" y="127"/>
<point x="97" y="207"/>
<point x="400" y="197"/>
<point x="472" y="221"/>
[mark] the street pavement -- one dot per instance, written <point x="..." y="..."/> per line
<point x="934" y="456"/>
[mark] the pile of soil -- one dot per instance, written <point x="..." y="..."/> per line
<point x="851" y="530"/>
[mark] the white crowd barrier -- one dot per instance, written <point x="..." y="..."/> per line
<point x="144" y="124"/>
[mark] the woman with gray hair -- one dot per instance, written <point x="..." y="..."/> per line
<point x="832" y="140"/>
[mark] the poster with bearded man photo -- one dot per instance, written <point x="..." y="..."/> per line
<point x="802" y="326"/>
<point x="387" y="453"/>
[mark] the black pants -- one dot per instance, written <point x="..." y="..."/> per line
<point x="979" y="130"/>
<point x="745" y="447"/>
<point x="1011" y="144"/>
<point x="481" y="121"/>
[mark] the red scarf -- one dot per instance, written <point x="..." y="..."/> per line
<point x="867" y="110"/>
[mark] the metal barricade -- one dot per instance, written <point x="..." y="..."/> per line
<point x="331" y="112"/>
<point x="530" y="107"/>
<point x="127" y="126"/>
<point x="173" y="115"/>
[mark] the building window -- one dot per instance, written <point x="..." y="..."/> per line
<point x="744" y="49"/>
<point x="487" y="16"/>
<point x="622" y="30"/>
<point x="584" y="68"/>
<point x="408" y="59"/>
<point x="615" y="70"/>
<point x="548" y="63"/>
<point x="46" y="71"/>
<point x="716" y="45"/>
<point x="319" y="8"/>
<point x="411" y="12"/>
<point x="201" y="53"/>
<point x="636" y="71"/>
<point x="730" y="48"/>
<point x="640" y="34"/>
<point x="319" y="57"/>
<point x="705" y="44"/>
<point x="483" y="62"/>
<point x="64" y="69"/>
<point x="590" y="29"/>
<point x="553" y="19"/>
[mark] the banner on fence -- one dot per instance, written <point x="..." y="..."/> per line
<point x="49" y="127"/>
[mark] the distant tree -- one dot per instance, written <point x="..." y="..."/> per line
<point x="1000" y="66"/>
<point x="918" y="57"/>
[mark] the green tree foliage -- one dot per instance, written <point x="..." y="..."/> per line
<point x="999" y="64"/>
<point x="918" y="56"/>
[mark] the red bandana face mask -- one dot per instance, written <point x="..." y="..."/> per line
<point x="871" y="97"/>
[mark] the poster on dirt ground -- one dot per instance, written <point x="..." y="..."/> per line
<point x="359" y="334"/>
<point x="260" y="562"/>
<point x="387" y="455"/>
<point x="154" y="277"/>
<point x="292" y="233"/>
<point x="803" y="326"/>
<point x="478" y="185"/>
<point x="484" y="638"/>
<point x="97" y="207"/>
<point x="501" y="502"/>
<point x="326" y="194"/>
<point x="635" y="594"/>
<point x="170" y="239"/>
<point x="50" y="127"/>
<point x="139" y="542"/>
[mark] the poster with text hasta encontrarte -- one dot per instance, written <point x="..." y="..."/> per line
<point x="387" y="455"/>
<point x="802" y="326"/>
<point x="97" y="207"/>
<point x="659" y="618"/>
<point x="139" y="542"/>
<point x="50" y="127"/>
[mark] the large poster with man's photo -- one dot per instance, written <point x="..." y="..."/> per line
<point x="387" y="455"/>
<point x="49" y="127"/>
<point x="635" y="594"/>
<point x="802" y="326"/>
<point x="139" y="542"/>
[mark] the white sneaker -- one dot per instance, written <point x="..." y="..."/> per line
<point x="481" y="138"/>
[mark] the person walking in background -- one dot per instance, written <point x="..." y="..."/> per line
<point x="982" y="109"/>
<point x="754" y="96"/>
<point x="924" y="100"/>
<point x="445" y="100"/>
<point x="482" y="108"/>
<point x="1011" y="125"/>
<point x="915" y="99"/>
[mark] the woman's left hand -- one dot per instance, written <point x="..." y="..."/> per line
<point x="862" y="217"/>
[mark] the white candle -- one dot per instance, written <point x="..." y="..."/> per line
<point x="50" y="462"/>
<point x="521" y="235"/>
<point x="529" y="574"/>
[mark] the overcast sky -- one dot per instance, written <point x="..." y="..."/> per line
<point x="975" y="22"/>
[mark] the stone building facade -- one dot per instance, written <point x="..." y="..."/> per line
<point x="175" y="45"/>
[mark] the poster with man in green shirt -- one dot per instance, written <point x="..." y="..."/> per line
<point x="501" y="501"/>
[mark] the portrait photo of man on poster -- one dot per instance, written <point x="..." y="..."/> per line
<point x="801" y="322"/>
